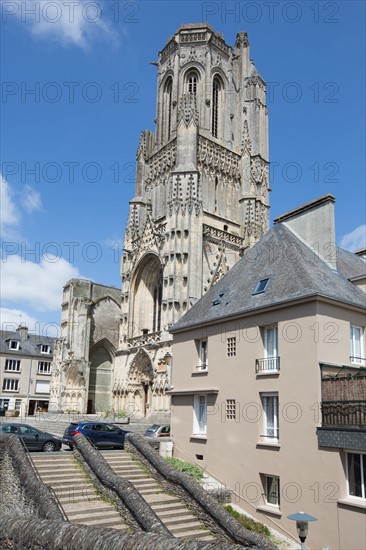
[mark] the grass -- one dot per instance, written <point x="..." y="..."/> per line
<point x="247" y="522"/>
<point x="181" y="466"/>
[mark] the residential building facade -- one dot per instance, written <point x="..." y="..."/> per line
<point x="25" y="371"/>
<point x="278" y="410"/>
<point x="201" y="199"/>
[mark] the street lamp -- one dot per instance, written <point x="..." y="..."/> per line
<point x="302" y="525"/>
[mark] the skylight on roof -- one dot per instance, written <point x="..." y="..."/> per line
<point x="261" y="286"/>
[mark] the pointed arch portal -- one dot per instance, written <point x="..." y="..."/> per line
<point x="141" y="376"/>
<point x="100" y="380"/>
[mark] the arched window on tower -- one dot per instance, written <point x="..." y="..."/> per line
<point x="216" y="104"/>
<point x="192" y="80"/>
<point x="158" y="296"/>
<point x="167" y="115"/>
<point x="147" y="293"/>
<point x="216" y="189"/>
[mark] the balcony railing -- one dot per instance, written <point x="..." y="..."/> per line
<point x="268" y="364"/>
<point x="344" y="414"/>
<point x="143" y="339"/>
<point x="357" y="360"/>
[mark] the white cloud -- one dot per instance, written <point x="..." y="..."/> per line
<point x="9" y="214"/>
<point x="355" y="240"/>
<point x="31" y="199"/>
<point x="37" y="284"/>
<point x="77" y="22"/>
<point x="11" y="318"/>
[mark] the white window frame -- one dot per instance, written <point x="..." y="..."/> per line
<point x="203" y="354"/>
<point x="270" y="416"/>
<point x="357" y="342"/>
<point x="267" y="481"/>
<point x="41" y="367"/>
<point x="9" y="383"/>
<point x="200" y="414"/>
<point x="12" y="365"/>
<point x="14" y="347"/>
<point x="48" y="348"/>
<point x="362" y="475"/>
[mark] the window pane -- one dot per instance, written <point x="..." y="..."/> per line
<point x="354" y="475"/>
<point x="272" y="490"/>
<point x="356" y="334"/>
<point x="271" y="342"/>
<point x="202" y="414"/>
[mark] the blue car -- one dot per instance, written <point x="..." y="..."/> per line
<point x="102" y="434"/>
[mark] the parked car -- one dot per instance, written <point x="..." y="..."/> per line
<point x="157" y="430"/>
<point x="34" y="439"/>
<point x="102" y="434"/>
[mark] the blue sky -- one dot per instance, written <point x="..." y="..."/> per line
<point x="78" y="88"/>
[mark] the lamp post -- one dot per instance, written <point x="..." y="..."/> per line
<point x="302" y="525"/>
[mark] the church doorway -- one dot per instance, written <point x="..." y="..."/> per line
<point x="100" y="381"/>
<point x="140" y="378"/>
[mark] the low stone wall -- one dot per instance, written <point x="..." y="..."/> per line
<point x="203" y="502"/>
<point x="20" y="472"/>
<point x="32" y="534"/>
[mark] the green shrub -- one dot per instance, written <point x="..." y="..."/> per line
<point x="191" y="469"/>
<point x="247" y="522"/>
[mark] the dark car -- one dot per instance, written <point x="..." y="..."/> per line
<point x="102" y="434"/>
<point x="158" y="430"/>
<point x="34" y="439"/>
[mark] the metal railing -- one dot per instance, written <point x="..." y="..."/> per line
<point x="344" y="414"/>
<point x="267" y="364"/>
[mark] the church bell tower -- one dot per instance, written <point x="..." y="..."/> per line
<point x="201" y="200"/>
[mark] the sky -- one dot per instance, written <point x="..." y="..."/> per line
<point x="78" y="87"/>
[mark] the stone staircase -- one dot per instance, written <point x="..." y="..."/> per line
<point x="78" y="497"/>
<point x="175" y="515"/>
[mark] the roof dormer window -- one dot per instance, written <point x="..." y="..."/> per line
<point x="45" y="348"/>
<point x="14" y="345"/>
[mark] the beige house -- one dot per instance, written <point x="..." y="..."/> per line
<point x="269" y="380"/>
<point x="25" y="371"/>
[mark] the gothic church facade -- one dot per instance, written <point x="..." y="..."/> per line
<point x="201" y="200"/>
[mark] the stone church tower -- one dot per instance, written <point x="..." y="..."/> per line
<point x="201" y="200"/>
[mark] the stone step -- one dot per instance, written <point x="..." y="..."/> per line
<point x="177" y="521"/>
<point x="172" y="513"/>
<point x="59" y="476"/>
<point x="78" y="499"/>
<point x="116" y="523"/>
<point x="107" y="512"/>
<point x="185" y="532"/>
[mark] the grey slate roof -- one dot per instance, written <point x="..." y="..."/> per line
<point x="294" y="272"/>
<point x="29" y="347"/>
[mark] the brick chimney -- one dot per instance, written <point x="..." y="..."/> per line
<point x="313" y="223"/>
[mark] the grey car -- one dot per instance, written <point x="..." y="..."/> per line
<point x="34" y="439"/>
<point x="158" y="430"/>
